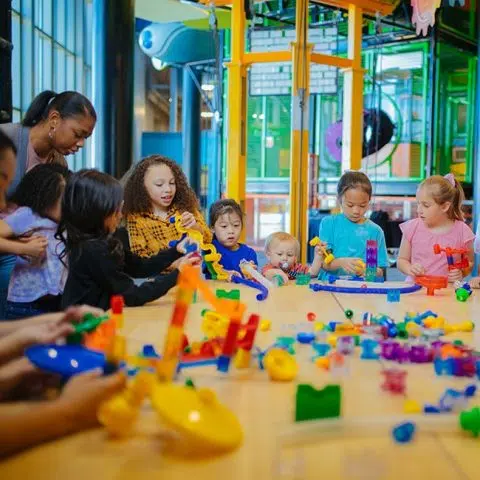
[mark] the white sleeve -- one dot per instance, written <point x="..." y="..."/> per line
<point x="476" y="243"/>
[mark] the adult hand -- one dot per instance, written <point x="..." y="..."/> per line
<point x="188" y="220"/>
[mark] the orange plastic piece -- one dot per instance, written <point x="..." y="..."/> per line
<point x="450" y="252"/>
<point x="103" y="337"/>
<point x="431" y="283"/>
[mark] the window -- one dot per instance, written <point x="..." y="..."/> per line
<point x="51" y="51"/>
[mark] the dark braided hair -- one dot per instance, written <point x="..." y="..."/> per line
<point x="41" y="187"/>
<point x="137" y="199"/>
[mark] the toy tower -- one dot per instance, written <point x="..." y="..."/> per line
<point x="371" y="261"/>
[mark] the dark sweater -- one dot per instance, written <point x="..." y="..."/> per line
<point x="95" y="274"/>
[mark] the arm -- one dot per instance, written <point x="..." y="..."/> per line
<point x="33" y="246"/>
<point x="140" y="267"/>
<point x="196" y="222"/>
<point x="404" y="260"/>
<point x="23" y="425"/>
<point x="104" y="269"/>
<point x="317" y="264"/>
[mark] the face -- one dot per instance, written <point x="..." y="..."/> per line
<point x="355" y="204"/>
<point x="428" y="210"/>
<point x="8" y="164"/>
<point x="282" y="254"/>
<point x="227" y="229"/>
<point x="113" y="221"/>
<point x="69" y="134"/>
<point x="160" y="186"/>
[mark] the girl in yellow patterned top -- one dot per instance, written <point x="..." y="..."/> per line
<point x="156" y="190"/>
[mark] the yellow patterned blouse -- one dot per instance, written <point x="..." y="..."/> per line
<point x="149" y="233"/>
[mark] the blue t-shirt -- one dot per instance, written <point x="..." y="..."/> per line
<point x="231" y="258"/>
<point x="349" y="239"/>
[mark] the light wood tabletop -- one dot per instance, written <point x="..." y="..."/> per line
<point x="265" y="409"/>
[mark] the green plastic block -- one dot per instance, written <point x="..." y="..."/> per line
<point x="303" y="279"/>
<point x="189" y="383"/>
<point x="313" y="404"/>
<point x="228" y="294"/>
<point x="470" y="421"/>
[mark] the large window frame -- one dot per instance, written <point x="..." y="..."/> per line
<point x="52" y="50"/>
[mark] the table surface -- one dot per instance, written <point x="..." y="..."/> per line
<point x="265" y="409"/>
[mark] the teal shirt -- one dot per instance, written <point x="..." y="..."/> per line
<point x="348" y="239"/>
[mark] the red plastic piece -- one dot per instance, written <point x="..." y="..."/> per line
<point x="450" y="252"/>
<point x="185" y="343"/>
<point x="431" y="283"/>
<point x="311" y="317"/>
<point x="251" y="330"/>
<point x="117" y="303"/>
<point x="395" y="381"/>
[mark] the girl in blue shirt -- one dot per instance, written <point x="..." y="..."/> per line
<point x="348" y="232"/>
<point x="226" y="222"/>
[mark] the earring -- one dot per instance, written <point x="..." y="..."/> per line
<point x="50" y="133"/>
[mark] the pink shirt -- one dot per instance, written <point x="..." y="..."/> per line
<point x="422" y="241"/>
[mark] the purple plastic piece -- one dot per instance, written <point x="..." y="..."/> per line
<point x="345" y="345"/>
<point x="250" y="283"/>
<point x="420" y="354"/>
<point x="390" y="350"/>
<point x="403" y="354"/>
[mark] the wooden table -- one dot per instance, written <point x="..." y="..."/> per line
<point x="265" y="408"/>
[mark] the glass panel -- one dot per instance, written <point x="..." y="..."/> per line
<point x="71" y="25"/>
<point x="47" y="16"/>
<point x="79" y="19"/>
<point x="88" y="32"/>
<point x="255" y="126"/>
<point x="59" y="21"/>
<point x="60" y="67"/>
<point x="16" y="61"/>
<point x="27" y="6"/>
<point x="16" y="5"/>
<point x="27" y="63"/>
<point x="16" y="116"/>
<point x="277" y="137"/>
<point x="70" y="72"/>
<point x="38" y="13"/>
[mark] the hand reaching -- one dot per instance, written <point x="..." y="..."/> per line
<point x="454" y="275"/>
<point x="188" y="220"/>
<point x="350" y="265"/>
<point x="416" y="270"/>
<point x="34" y="246"/>
<point x="190" y="259"/>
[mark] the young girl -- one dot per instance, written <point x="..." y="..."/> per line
<point x="99" y="262"/>
<point x="282" y="251"/>
<point x="226" y="222"/>
<point x="36" y="284"/>
<point x="348" y="232"/>
<point x="439" y="221"/>
<point x="155" y="191"/>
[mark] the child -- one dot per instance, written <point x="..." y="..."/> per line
<point x="36" y="285"/>
<point x="155" y="191"/>
<point x="99" y="261"/>
<point x="282" y="251"/>
<point x="226" y="222"/>
<point x="348" y="232"/>
<point x="439" y="221"/>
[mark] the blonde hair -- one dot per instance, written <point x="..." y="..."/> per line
<point x="282" y="237"/>
<point x="442" y="190"/>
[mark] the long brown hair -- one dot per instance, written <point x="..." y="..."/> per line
<point x="137" y="199"/>
<point x="442" y="190"/>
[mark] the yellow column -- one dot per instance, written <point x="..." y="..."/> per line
<point x="301" y="52"/>
<point x="237" y="106"/>
<point x="353" y="94"/>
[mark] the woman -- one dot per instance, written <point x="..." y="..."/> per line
<point x="55" y="125"/>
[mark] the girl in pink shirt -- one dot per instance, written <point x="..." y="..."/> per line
<point x="439" y="221"/>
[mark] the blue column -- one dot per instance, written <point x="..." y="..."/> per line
<point x="191" y="127"/>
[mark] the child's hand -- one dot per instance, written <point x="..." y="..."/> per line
<point x="84" y="393"/>
<point x="350" y="264"/>
<point x="48" y="332"/>
<point x="454" y="275"/>
<point x="34" y="246"/>
<point x="190" y="259"/>
<point x="270" y="274"/>
<point x="188" y="220"/>
<point x="12" y="373"/>
<point x="475" y="282"/>
<point x="320" y="249"/>
<point x="416" y="270"/>
<point x="182" y="246"/>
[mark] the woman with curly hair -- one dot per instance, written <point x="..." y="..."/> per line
<point x="155" y="191"/>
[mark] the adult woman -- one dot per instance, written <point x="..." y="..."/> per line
<point x="55" y="125"/>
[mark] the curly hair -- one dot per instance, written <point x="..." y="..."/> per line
<point x="137" y="199"/>
<point x="41" y="187"/>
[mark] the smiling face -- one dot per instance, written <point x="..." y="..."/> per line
<point x="161" y="186"/>
<point x="227" y="229"/>
<point x="431" y="213"/>
<point x="355" y="202"/>
<point x="282" y="254"/>
<point x="68" y="135"/>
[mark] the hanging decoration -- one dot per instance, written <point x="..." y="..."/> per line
<point x="424" y="13"/>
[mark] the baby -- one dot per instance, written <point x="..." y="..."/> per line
<point x="282" y="251"/>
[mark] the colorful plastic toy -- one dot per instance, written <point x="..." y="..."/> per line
<point x="320" y="287"/>
<point x="371" y="261"/>
<point x="312" y="404"/>
<point x="203" y="423"/>
<point x="395" y="381"/>
<point x="462" y="264"/>
<point x="369" y="349"/>
<point x="211" y="259"/>
<point x="280" y="365"/>
<point x="249" y="270"/>
<point x="250" y="283"/>
<point x="303" y="279"/>
<point x="404" y="432"/>
<point x="311" y="316"/>
<point x="65" y="360"/>
<point x="229" y="294"/>
<point x="345" y="345"/>
<point x="326" y="252"/>
<point x="462" y="291"/>
<point x="393" y="296"/>
<point x="431" y="283"/>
